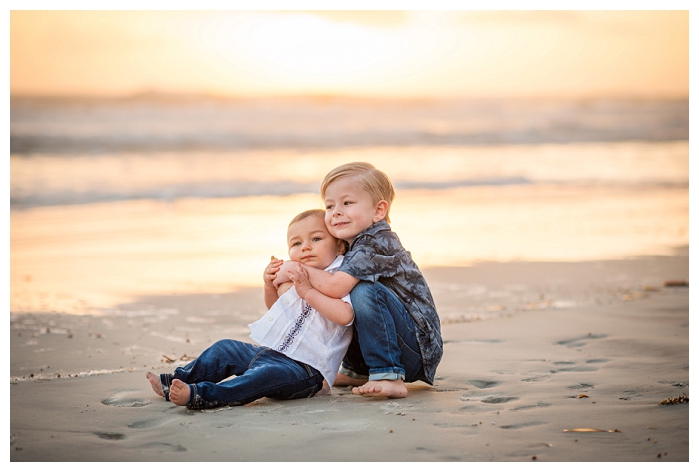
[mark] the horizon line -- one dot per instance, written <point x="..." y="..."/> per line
<point x="184" y="95"/>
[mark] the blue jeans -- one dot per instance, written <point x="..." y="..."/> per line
<point x="260" y="372"/>
<point x="384" y="345"/>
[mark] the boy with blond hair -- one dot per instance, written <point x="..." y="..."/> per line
<point x="397" y="335"/>
<point x="301" y="339"/>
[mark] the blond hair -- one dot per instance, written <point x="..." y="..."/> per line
<point x="307" y="214"/>
<point x="375" y="182"/>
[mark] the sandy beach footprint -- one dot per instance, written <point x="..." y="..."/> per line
<point x="125" y="399"/>
<point x="527" y="424"/>
<point x="489" y="399"/>
<point x="454" y="425"/>
<point x="448" y="389"/>
<point x="148" y="423"/>
<point x="396" y="408"/>
<point x="163" y="447"/>
<point x="574" y="369"/>
<point x="529" y="407"/>
<point x="538" y="378"/>
<point x="109" y="436"/>
<point x="633" y="394"/>
<point x="466" y="429"/>
<point x="570" y="366"/>
<point x="581" y="340"/>
<point x="675" y="383"/>
<point x="482" y="397"/>
<point x="497" y="399"/>
<point x="483" y="384"/>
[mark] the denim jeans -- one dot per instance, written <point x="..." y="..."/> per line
<point x="260" y="372"/>
<point x="384" y="345"/>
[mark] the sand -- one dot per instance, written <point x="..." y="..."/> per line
<point x="531" y="352"/>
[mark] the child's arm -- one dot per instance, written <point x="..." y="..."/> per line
<point x="272" y="293"/>
<point x="334" y="309"/>
<point x="283" y="288"/>
<point x="335" y="285"/>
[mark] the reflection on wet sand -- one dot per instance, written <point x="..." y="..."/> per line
<point x="85" y="258"/>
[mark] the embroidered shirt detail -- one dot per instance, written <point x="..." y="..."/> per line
<point x="296" y="328"/>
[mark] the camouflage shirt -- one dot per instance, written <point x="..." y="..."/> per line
<point x="376" y="255"/>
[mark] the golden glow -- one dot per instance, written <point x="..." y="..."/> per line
<point x="74" y="258"/>
<point x="338" y="51"/>
<point x="82" y="258"/>
<point x="544" y="224"/>
<point x="459" y="53"/>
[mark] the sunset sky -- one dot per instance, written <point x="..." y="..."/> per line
<point x="380" y="53"/>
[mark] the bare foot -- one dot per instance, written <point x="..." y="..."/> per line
<point x="325" y="390"/>
<point x="343" y="380"/>
<point x="179" y="393"/>
<point x="382" y="388"/>
<point x="155" y="383"/>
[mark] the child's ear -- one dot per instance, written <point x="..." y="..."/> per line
<point x="380" y="210"/>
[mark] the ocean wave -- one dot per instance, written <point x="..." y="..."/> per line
<point x="143" y="124"/>
<point x="31" y="144"/>
<point x="256" y="189"/>
<point x="217" y="190"/>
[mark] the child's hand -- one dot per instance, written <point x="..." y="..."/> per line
<point x="270" y="273"/>
<point x="282" y="274"/>
<point x="299" y="275"/>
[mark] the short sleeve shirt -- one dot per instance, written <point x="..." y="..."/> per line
<point x="377" y="255"/>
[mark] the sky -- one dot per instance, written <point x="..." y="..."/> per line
<point x="371" y="53"/>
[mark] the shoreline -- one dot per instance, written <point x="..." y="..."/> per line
<point x="83" y="258"/>
<point x="508" y="386"/>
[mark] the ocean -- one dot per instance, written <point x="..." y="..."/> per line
<point x="113" y="198"/>
<point x="76" y="151"/>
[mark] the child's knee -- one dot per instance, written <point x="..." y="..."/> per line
<point x="364" y="291"/>
<point x="363" y="297"/>
<point x="363" y="288"/>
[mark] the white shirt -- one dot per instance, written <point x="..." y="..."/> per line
<point x="297" y="330"/>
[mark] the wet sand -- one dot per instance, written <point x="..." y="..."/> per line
<point x="530" y="350"/>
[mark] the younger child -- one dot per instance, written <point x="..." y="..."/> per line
<point x="397" y="329"/>
<point x="302" y="337"/>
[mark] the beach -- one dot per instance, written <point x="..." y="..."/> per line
<point x="553" y="233"/>
<point x="541" y="167"/>
<point x="532" y="352"/>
